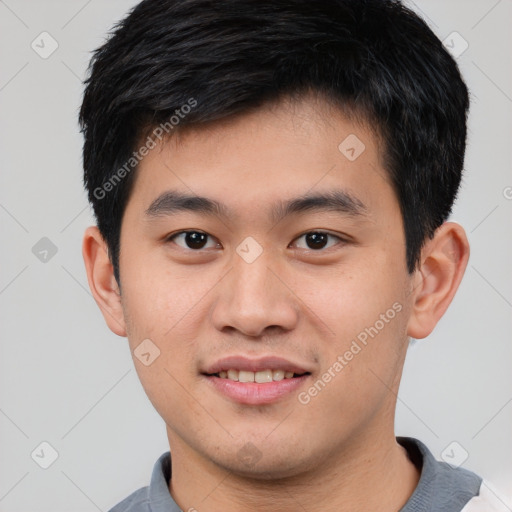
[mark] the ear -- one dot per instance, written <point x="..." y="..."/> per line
<point x="443" y="262"/>
<point x="103" y="285"/>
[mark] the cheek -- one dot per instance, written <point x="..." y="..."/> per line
<point x="353" y="299"/>
<point x="166" y="307"/>
<point x="158" y="297"/>
<point x="366" y="313"/>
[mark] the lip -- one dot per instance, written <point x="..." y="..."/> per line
<point x="252" y="393"/>
<point x="239" y="362"/>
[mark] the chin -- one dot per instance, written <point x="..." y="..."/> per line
<point x="265" y="465"/>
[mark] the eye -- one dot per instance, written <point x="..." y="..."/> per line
<point x="198" y="240"/>
<point x="317" y="240"/>
<point x="191" y="239"/>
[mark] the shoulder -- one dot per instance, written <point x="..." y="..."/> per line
<point x="446" y="487"/>
<point x="487" y="500"/>
<point x="138" y="501"/>
<point x="156" y="493"/>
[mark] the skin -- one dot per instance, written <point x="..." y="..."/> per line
<point x="338" y="452"/>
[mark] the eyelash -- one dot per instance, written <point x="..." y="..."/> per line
<point x="170" y="238"/>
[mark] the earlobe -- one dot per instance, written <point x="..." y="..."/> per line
<point x="443" y="263"/>
<point x="102" y="282"/>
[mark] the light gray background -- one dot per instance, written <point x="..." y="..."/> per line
<point x="67" y="380"/>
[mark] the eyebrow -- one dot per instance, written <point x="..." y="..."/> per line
<point x="340" y="201"/>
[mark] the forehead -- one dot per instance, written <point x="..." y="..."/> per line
<point x="284" y="155"/>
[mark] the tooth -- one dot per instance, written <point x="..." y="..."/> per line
<point x="233" y="374"/>
<point x="263" y="376"/>
<point x="245" y="376"/>
<point x="259" y="377"/>
<point x="278" y="375"/>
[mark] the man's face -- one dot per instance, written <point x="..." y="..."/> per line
<point x="254" y="285"/>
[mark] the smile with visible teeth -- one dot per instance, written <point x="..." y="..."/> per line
<point x="259" y="377"/>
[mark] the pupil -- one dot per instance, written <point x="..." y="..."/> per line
<point x="318" y="240"/>
<point x="195" y="240"/>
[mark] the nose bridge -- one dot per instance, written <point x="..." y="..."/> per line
<point x="253" y="297"/>
<point x="252" y="279"/>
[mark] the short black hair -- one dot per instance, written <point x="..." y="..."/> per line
<point x="199" y="61"/>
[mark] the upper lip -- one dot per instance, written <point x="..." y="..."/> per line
<point x="254" y="365"/>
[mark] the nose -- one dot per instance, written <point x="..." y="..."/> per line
<point x="254" y="298"/>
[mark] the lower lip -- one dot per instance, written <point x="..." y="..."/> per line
<point x="252" y="393"/>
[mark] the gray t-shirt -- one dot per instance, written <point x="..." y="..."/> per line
<point x="441" y="488"/>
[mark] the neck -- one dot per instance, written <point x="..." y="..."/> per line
<point x="375" y="473"/>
